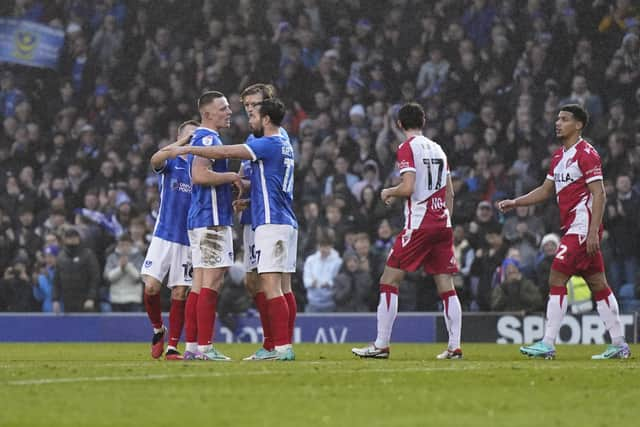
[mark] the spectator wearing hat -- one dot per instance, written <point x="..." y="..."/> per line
<point x="357" y="120"/>
<point x="122" y="274"/>
<point x="548" y="248"/>
<point x="77" y="276"/>
<point x="43" y="286"/>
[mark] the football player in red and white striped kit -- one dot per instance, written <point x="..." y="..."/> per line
<point x="575" y="173"/>
<point x="427" y="238"/>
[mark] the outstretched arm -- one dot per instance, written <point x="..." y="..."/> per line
<point x="202" y="175"/>
<point x="239" y="151"/>
<point x="160" y="157"/>
<point x="535" y="196"/>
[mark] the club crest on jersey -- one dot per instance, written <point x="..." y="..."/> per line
<point x="207" y="140"/>
<point x="403" y="164"/>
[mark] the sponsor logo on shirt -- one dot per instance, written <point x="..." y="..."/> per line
<point x="180" y="186"/>
<point x="562" y="177"/>
<point x="147" y="263"/>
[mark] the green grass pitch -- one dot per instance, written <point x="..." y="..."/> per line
<point x="118" y="385"/>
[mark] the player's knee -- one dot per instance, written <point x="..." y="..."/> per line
<point x="179" y="293"/>
<point x="151" y="287"/>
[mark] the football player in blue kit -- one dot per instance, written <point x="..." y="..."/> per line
<point x="272" y="216"/>
<point x="169" y="254"/>
<point x="209" y="222"/>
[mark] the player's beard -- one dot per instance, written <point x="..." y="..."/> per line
<point x="258" y="133"/>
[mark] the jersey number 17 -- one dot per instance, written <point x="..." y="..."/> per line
<point x="434" y="173"/>
<point x="287" y="182"/>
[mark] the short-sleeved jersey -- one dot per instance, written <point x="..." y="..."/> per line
<point x="175" y="199"/>
<point x="247" y="170"/>
<point x="572" y="170"/>
<point x="210" y="206"/>
<point x="272" y="181"/>
<point x="426" y="208"/>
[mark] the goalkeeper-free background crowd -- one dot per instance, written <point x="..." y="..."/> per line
<point x="75" y="144"/>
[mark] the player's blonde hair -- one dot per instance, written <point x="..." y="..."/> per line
<point x="267" y="91"/>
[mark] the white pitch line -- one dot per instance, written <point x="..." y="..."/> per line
<point x="455" y="366"/>
<point x="43" y="381"/>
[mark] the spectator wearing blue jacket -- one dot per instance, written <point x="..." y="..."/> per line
<point x="43" y="288"/>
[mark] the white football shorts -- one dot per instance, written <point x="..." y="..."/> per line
<point x="249" y="248"/>
<point x="211" y="247"/>
<point x="276" y="248"/>
<point x="165" y="257"/>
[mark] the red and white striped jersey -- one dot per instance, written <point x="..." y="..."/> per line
<point x="571" y="171"/>
<point x="426" y="208"/>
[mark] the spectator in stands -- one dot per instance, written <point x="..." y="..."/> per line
<point x="111" y="99"/>
<point x="320" y="271"/>
<point x="515" y="292"/>
<point x="43" y="286"/>
<point x="621" y="219"/>
<point x="15" y="286"/>
<point x="524" y="231"/>
<point x="352" y="285"/>
<point x="548" y="248"/>
<point x="488" y="258"/>
<point x="77" y="276"/>
<point x="122" y="274"/>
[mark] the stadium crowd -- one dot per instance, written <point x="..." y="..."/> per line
<point x="491" y="74"/>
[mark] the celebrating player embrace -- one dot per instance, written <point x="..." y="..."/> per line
<point x="272" y="213"/>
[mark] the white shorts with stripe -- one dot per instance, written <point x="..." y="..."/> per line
<point x="165" y="257"/>
<point x="211" y="247"/>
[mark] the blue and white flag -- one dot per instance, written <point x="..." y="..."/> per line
<point x="29" y="43"/>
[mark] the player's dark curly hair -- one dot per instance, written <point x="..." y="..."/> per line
<point x="412" y="116"/>
<point x="274" y="109"/>
<point x="579" y="113"/>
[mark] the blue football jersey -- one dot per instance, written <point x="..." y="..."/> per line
<point x="245" y="217"/>
<point x="175" y="198"/>
<point x="209" y="206"/>
<point x="272" y="181"/>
